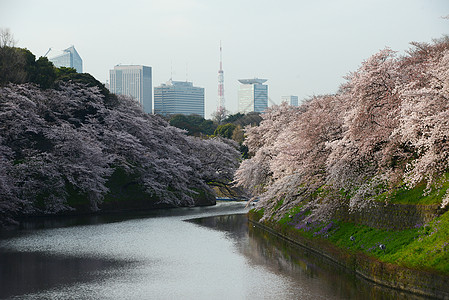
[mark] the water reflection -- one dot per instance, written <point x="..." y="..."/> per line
<point x="318" y="274"/>
<point x="68" y="221"/>
<point x="157" y="255"/>
<point x="236" y="225"/>
<point x="28" y="272"/>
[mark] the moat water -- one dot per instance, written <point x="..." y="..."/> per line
<point x="183" y="253"/>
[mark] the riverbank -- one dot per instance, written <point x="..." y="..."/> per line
<point x="169" y="253"/>
<point x="415" y="259"/>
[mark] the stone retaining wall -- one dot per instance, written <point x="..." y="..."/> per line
<point x="419" y="282"/>
<point x="390" y="216"/>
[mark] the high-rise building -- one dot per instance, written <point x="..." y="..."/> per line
<point x="134" y="81"/>
<point x="178" y="97"/>
<point x="291" y="100"/>
<point x="69" y="58"/>
<point x="253" y="95"/>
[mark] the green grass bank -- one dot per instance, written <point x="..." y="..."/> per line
<point x="401" y="245"/>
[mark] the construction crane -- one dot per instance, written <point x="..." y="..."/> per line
<point x="49" y="49"/>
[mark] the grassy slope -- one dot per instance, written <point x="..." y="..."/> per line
<point x="418" y="195"/>
<point x="425" y="247"/>
<point x="422" y="248"/>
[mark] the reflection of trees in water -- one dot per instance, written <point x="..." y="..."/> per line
<point x="312" y="272"/>
<point x="283" y="257"/>
<point x="235" y="225"/>
<point x="27" y="272"/>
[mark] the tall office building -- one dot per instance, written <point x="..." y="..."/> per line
<point x="291" y="100"/>
<point x="134" y="81"/>
<point x="253" y="95"/>
<point x="69" y="58"/>
<point x="178" y="97"/>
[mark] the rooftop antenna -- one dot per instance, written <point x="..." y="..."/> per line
<point x="187" y="71"/>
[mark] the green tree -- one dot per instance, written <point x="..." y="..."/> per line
<point x="225" y="130"/>
<point x="42" y="73"/>
<point x="252" y="118"/>
<point x="64" y="72"/>
<point x="29" y="63"/>
<point x="19" y="65"/>
<point x="12" y="65"/>
<point x="208" y="127"/>
<point x="183" y="122"/>
<point x="12" y="62"/>
<point x="194" y="124"/>
<point x="238" y="134"/>
<point x="233" y="118"/>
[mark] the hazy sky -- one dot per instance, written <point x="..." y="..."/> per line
<point x="303" y="48"/>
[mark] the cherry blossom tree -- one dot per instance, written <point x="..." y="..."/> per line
<point x="290" y="148"/>
<point x="59" y="142"/>
<point x="10" y="204"/>
<point x="369" y="120"/>
<point x="424" y="115"/>
<point x="255" y="174"/>
<point x="388" y="124"/>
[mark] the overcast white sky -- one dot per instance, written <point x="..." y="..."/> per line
<point x="303" y="48"/>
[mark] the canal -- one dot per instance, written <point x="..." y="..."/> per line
<point x="183" y="253"/>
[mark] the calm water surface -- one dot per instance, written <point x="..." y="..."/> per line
<point x="185" y="253"/>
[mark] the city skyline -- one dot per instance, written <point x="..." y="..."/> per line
<point x="305" y="48"/>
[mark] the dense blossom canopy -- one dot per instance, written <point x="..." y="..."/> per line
<point x="71" y="139"/>
<point x="387" y="127"/>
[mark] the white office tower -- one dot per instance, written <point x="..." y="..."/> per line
<point x="178" y="97"/>
<point x="134" y="81"/>
<point x="253" y="95"/>
<point x="68" y="58"/>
